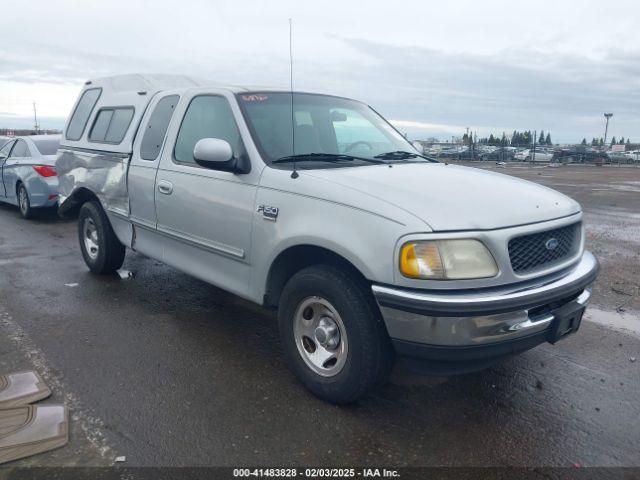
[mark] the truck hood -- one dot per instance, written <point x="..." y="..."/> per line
<point x="451" y="197"/>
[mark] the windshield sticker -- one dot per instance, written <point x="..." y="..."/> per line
<point x="254" y="98"/>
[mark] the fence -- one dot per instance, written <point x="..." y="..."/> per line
<point x="460" y="151"/>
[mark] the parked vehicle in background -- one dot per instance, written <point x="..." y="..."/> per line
<point x="29" y="178"/>
<point x="633" y="156"/>
<point x="530" y="155"/>
<point x="521" y="155"/>
<point x="617" y="157"/>
<point x="329" y="215"/>
<point x="455" y="151"/>
<point x="490" y="153"/>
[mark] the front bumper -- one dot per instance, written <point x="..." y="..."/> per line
<point x="457" y="331"/>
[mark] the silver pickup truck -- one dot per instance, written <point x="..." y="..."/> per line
<point x="316" y="206"/>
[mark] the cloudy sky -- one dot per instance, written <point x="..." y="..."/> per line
<point x="432" y="67"/>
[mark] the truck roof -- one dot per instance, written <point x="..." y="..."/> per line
<point x="151" y="82"/>
<point x="130" y="92"/>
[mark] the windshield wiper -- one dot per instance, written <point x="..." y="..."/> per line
<point x="323" y="157"/>
<point x="397" y="155"/>
<point x="402" y="155"/>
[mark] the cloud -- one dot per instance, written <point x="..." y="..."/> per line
<point x="491" y="65"/>
<point x="564" y="93"/>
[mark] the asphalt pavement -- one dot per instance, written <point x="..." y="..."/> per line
<point x="166" y="370"/>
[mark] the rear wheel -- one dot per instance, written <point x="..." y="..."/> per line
<point x="333" y="335"/>
<point x="23" y="202"/>
<point x="102" y="251"/>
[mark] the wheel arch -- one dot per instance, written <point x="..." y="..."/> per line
<point x="71" y="205"/>
<point x="295" y="258"/>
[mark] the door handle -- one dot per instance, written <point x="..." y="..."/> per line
<point x="165" y="187"/>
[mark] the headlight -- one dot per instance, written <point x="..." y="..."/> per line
<point x="447" y="260"/>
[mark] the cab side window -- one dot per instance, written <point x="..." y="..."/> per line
<point x="157" y="127"/>
<point x="20" y="150"/>
<point x="208" y="116"/>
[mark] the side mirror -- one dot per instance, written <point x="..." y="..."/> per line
<point x="213" y="153"/>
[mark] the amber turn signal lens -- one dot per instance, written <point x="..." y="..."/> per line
<point x="421" y="260"/>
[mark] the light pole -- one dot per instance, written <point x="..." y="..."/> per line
<point x="606" y="128"/>
<point x="35" y="119"/>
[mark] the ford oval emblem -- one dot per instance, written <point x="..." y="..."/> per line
<point x="551" y="244"/>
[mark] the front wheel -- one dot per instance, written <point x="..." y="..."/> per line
<point x="102" y="251"/>
<point x="333" y="335"/>
<point x="24" y="204"/>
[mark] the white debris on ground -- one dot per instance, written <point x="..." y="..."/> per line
<point x="71" y="285"/>
<point x="121" y="459"/>
<point x="124" y="274"/>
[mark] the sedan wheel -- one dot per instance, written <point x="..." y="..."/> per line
<point x="23" y="202"/>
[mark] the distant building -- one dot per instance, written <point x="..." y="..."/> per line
<point x="13" y="132"/>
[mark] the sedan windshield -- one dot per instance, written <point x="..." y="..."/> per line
<point x="321" y="131"/>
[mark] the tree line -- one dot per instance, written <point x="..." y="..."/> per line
<point x="599" y="142"/>
<point x="525" y="138"/>
<point x="517" y="138"/>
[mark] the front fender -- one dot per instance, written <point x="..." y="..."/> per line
<point x="364" y="239"/>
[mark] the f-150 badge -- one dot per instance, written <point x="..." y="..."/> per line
<point x="268" y="212"/>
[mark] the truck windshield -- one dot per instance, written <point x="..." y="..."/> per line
<point x="321" y="131"/>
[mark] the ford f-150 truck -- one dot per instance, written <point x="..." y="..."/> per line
<point x="316" y="206"/>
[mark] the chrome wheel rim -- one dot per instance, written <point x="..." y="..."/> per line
<point x="320" y="336"/>
<point x="24" y="201"/>
<point x="90" y="236"/>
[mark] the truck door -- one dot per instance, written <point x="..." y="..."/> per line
<point x="205" y="215"/>
<point x="141" y="179"/>
<point x="4" y="154"/>
<point x="19" y="153"/>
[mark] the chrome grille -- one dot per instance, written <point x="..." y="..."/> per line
<point x="542" y="249"/>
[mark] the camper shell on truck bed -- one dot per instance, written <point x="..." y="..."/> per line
<point x="93" y="160"/>
<point x="317" y="206"/>
<point x="97" y="144"/>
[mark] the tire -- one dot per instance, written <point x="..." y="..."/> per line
<point x="325" y="297"/>
<point x="102" y="251"/>
<point x="24" y="204"/>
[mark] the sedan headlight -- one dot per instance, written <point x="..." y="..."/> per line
<point x="447" y="260"/>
